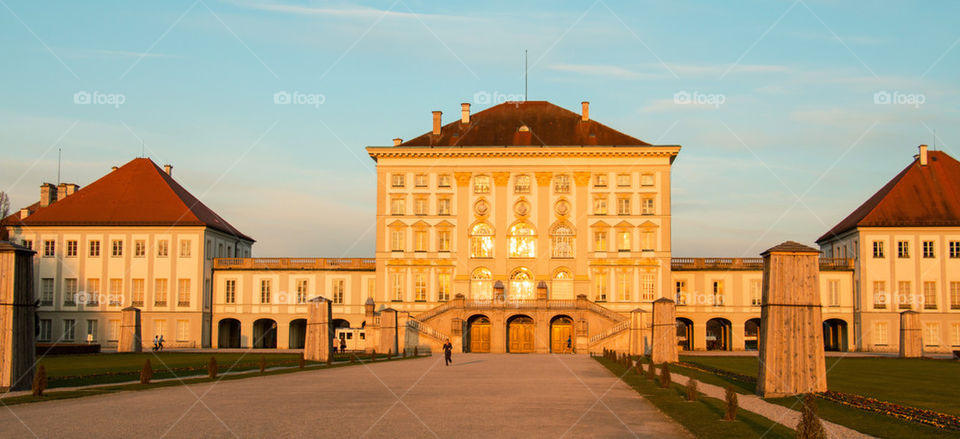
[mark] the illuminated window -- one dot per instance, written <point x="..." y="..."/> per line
<point x="481" y="184"/>
<point x="648" y="286"/>
<point x="481" y="284"/>
<point x="624" y="239"/>
<point x="600" y="241"/>
<point x="443" y="240"/>
<point x="481" y="241"/>
<point x="561" y="184"/>
<point x="521" y="285"/>
<point x="879" y="294"/>
<point x="420" y="287"/>
<point x="561" y="238"/>
<point x="600" y="206"/>
<point x="523" y="241"/>
<point x="522" y="184"/>
<point x="397" y="282"/>
<point x="718" y="295"/>
<point x="624" y="281"/>
<point x="443" y="287"/>
<point x="600" y="287"/>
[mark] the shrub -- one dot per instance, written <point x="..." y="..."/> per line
<point x="373" y="355"/>
<point x="263" y="364"/>
<point x="40" y="381"/>
<point x="303" y="361"/>
<point x="146" y="373"/>
<point x="416" y="351"/>
<point x="389" y="354"/>
<point x="353" y="358"/>
<point x="212" y="368"/>
<point x="651" y="372"/>
<point x="692" y="392"/>
<point x="665" y="375"/>
<point x="810" y="426"/>
<point x="330" y="359"/>
<point x="732" y="405"/>
<point x="639" y="367"/>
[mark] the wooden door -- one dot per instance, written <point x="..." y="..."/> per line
<point x="521" y="335"/>
<point x="559" y="333"/>
<point x="480" y="336"/>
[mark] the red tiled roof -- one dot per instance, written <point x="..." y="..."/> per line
<point x="919" y="196"/>
<point x="139" y="193"/>
<point x="548" y="125"/>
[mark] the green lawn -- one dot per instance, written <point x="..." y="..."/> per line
<point x="703" y="418"/>
<point x="923" y="383"/>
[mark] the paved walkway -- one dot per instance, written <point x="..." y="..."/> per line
<point x="481" y="395"/>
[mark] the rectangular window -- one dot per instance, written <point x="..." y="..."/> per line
<point x="929" y="295"/>
<point x="624" y="243"/>
<point x="160" y="292"/>
<point x="600" y="241"/>
<point x="623" y="206"/>
<point x="600" y="287"/>
<point x="183" y="330"/>
<point x="265" y="291"/>
<point x="522" y="184"/>
<point x="646" y="180"/>
<point x="113" y="330"/>
<point x="928" y="250"/>
<point x="443" y="180"/>
<point x="302" y="290"/>
<point x="72" y="249"/>
<point x="880" y="333"/>
<point x="337" y="291"/>
<point x="398" y="206"/>
<point x="600" y="206"/>
<point x="230" y="291"/>
<point x="955" y="334"/>
<point x="163" y="248"/>
<point x="95" y="249"/>
<point x="931" y="334"/>
<point x="398" y="180"/>
<point x="443" y="287"/>
<point x="70" y="289"/>
<point x="756" y="290"/>
<point x="880" y="295"/>
<point x="397" y="285"/>
<point x="420" y="180"/>
<point x="648" y="286"/>
<point x="624" y="280"/>
<point x="183" y="292"/>
<point x="185" y="248"/>
<point x="954" y="249"/>
<point x="646" y="206"/>
<point x="139" y="248"/>
<point x="624" y="180"/>
<point x="159" y="328"/>
<point x="397" y="238"/>
<point x="69" y="329"/>
<point x="46" y="291"/>
<point x="420" y="287"/>
<point x="903" y="294"/>
<point x="681" y="292"/>
<point x="91" y="331"/>
<point x="648" y="240"/>
<point x="116" y="292"/>
<point x="443" y="206"/>
<point x="903" y="249"/>
<point x="600" y="180"/>
<point x="954" y="295"/>
<point x="443" y="240"/>
<point x="834" y="291"/>
<point x="420" y="206"/>
<point x="136" y="292"/>
<point x="28" y="243"/>
<point x="45" y="329"/>
<point x="718" y="294"/>
<point x="93" y="292"/>
<point x="481" y="184"/>
<point x="116" y="248"/>
<point x="878" y="249"/>
<point x="49" y="248"/>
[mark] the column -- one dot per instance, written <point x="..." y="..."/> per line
<point x="130" y="333"/>
<point x="664" y="330"/>
<point x="17" y="343"/>
<point x="319" y="343"/>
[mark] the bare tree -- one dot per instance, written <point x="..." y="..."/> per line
<point x="4" y="204"/>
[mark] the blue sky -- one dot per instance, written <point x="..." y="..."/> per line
<point x="798" y="110"/>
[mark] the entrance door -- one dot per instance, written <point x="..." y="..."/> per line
<point x="479" y="335"/>
<point x="561" y="330"/>
<point x="521" y="334"/>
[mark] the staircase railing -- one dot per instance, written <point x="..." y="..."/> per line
<point x="612" y="315"/>
<point x="435" y="311"/>
<point x="614" y="330"/>
<point x="427" y="329"/>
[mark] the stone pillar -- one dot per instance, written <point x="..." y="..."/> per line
<point x="664" y="330"/>
<point x="388" y="331"/>
<point x="17" y="326"/>
<point x="791" y="329"/>
<point x="911" y="343"/>
<point x="130" y="333"/>
<point x="319" y="343"/>
<point x="639" y="337"/>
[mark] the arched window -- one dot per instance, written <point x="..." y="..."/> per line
<point x="523" y="241"/>
<point x="521" y="285"/>
<point x="481" y="284"/>
<point x="481" y="241"/>
<point x="561" y="240"/>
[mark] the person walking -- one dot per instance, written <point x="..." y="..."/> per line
<point x="156" y="343"/>
<point x="343" y="345"/>
<point x="160" y="343"/>
<point x="569" y="344"/>
<point x="448" y="352"/>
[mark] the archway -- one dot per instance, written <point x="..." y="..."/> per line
<point x="478" y="334"/>
<point x="835" y="335"/>
<point x="298" y="333"/>
<point x="561" y="335"/>
<point x="751" y="334"/>
<point x="228" y="333"/>
<point x="685" y="334"/>
<point x="718" y="334"/>
<point x="520" y="334"/>
<point x="265" y="334"/>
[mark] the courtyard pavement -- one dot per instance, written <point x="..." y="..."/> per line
<point x="480" y="395"/>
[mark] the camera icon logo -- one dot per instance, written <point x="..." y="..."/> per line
<point x="81" y="98"/>
<point x="281" y="98"/>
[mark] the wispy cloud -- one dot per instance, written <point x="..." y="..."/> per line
<point x="683" y="70"/>
<point x="687" y="70"/>
<point x="109" y="53"/>
<point x="341" y="12"/>
<point x="604" y="70"/>
<point x="853" y="39"/>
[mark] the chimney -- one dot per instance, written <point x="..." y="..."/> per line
<point x="585" y="113"/>
<point x="61" y="191"/>
<point x="464" y="113"/>
<point x="71" y="188"/>
<point x="397" y="141"/>
<point x="24" y="213"/>
<point x="436" y="122"/>
<point x="113" y="168"/>
<point x="923" y="155"/>
<point x="168" y="169"/>
<point x="48" y="194"/>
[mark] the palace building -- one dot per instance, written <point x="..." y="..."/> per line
<point x="524" y="227"/>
